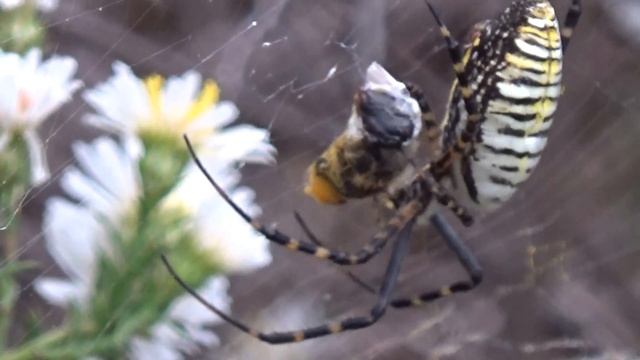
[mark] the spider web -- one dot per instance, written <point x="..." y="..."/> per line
<point x="559" y="258"/>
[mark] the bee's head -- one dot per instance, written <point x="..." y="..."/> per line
<point x="320" y="185"/>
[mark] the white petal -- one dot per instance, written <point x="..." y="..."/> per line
<point x="144" y="349"/>
<point x="58" y="83"/>
<point x="87" y="191"/>
<point x="109" y="165"/>
<point x="133" y="146"/>
<point x="122" y="99"/>
<point x="31" y="89"/>
<point x="179" y="93"/>
<point x="110" y="183"/>
<point x="186" y="309"/>
<point x="38" y="162"/>
<point x="60" y="292"/>
<point x="236" y="245"/>
<point x="241" y="143"/>
<point x="73" y="238"/>
<point x="217" y="117"/>
<point x="203" y="336"/>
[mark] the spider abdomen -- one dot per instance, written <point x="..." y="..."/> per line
<point x="516" y="66"/>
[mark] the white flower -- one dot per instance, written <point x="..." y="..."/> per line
<point x="184" y="327"/>
<point x="42" y="5"/>
<point x="107" y="186"/>
<point x="30" y="90"/>
<point x="132" y="107"/>
<point x="219" y="230"/>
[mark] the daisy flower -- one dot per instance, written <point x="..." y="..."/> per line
<point x="42" y="5"/>
<point x="139" y="197"/>
<point x="106" y="187"/>
<point x="30" y="91"/>
<point x="167" y="108"/>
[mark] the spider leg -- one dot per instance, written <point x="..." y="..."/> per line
<point x="466" y="258"/>
<point x="428" y="180"/>
<point x="429" y="123"/>
<point x="361" y="256"/>
<point x="307" y="230"/>
<point x="570" y="23"/>
<point x="455" y="53"/>
<point x="444" y="198"/>
<point x="400" y="249"/>
<point x="313" y="238"/>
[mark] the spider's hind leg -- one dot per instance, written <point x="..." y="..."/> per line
<point x="466" y="258"/>
<point x="463" y="253"/>
<point x="400" y="249"/>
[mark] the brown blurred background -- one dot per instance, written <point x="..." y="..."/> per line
<point x="560" y="260"/>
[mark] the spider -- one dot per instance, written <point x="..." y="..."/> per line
<point x="500" y="110"/>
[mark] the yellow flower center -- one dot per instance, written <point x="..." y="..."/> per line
<point x="161" y="122"/>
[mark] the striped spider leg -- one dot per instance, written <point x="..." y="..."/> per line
<point x="501" y="68"/>
<point x="404" y="224"/>
<point x="524" y="28"/>
<point x="429" y="123"/>
<point x="272" y="234"/>
<point x="453" y="241"/>
<point x="398" y="227"/>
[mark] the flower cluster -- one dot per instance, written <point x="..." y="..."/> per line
<point x="128" y="198"/>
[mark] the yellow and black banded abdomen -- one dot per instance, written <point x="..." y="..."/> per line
<point x="518" y="108"/>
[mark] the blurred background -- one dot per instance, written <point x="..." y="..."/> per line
<point x="560" y="260"/>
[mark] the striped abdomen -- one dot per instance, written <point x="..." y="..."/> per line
<point x="515" y="63"/>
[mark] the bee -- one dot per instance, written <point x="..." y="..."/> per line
<point x="375" y="148"/>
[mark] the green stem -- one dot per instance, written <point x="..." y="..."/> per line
<point x="9" y="287"/>
<point x="9" y="246"/>
<point x="6" y="312"/>
<point x="36" y="348"/>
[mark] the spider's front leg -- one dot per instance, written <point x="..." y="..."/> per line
<point x="430" y="126"/>
<point x="274" y="235"/>
<point x="464" y="85"/>
<point x="398" y="254"/>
